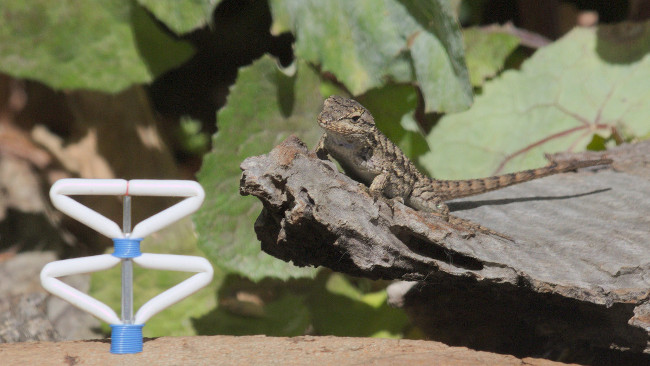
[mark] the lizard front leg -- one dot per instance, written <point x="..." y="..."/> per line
<point x="378" y="184"/>
<point x="378" y="188"/>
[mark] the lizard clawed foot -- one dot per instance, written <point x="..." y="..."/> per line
<point x="443" y="209"/>
<point x="376" y="196"/>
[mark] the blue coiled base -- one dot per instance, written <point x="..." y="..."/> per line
<point x="126" y="338"/>
<point x="127" y="248"/>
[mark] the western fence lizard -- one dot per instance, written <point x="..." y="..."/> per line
<point x="368" y="156"/>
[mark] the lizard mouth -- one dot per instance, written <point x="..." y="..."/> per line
<point x="332" y="111"/>
<point x="325" y="119"/>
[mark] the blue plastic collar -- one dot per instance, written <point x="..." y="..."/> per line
<point x="127" y="247"/>
<point x="126" y="338"/>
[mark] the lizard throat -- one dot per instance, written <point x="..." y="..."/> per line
<point x="353" y="154"/>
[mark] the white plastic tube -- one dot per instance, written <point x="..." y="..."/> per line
<point x="75" y="297"/>
<point x="176" y="188"/>
<point x="139" y="187"/>
<point x="67" y="187"/>
<point x="177" y="293"/>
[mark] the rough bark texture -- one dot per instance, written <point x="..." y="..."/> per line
<point x="24" y="318"/>
<point x="29" y="313"/>
<point x="258" y="350"/>
<point x="576" y="273"/>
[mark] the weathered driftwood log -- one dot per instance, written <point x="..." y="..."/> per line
<point x="580" y="247"/>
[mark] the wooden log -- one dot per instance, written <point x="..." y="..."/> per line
<point x="580" y="240"/>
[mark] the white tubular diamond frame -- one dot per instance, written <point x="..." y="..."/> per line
<point x="175" y="188"/>
<point x="119" y="187"/>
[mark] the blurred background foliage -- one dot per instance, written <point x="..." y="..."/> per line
<point x="189" y="89"/>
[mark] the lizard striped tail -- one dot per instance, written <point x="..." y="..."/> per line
<point x="449" y="189"/>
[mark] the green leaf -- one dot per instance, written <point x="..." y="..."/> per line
<point x="286" y="315"/>
<point x="264" y="107"/>
<point x="181" y="16"/>
<point x="291" y="308"/>
<point x="101" y="45"/>
<point x="368" y="43"/>
<point x="486" y="51"/>
<point x="564" y="93"/>
<point x="365" y="315"/>
<point x="597" y="143"/>
<point x="177" y="239"/>
<point x="190" y="136"/>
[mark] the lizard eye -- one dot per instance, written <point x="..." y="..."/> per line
<point x="355" y="117"/>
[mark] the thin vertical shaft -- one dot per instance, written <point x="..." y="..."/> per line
<point x="126" y="215"/>
<point x="127" y="266"/>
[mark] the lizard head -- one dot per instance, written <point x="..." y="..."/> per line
<point x="345" y="117"/>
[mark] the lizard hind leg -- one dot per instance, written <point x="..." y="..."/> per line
<point x="437" y="206"/>
<point x="433" y="204"/>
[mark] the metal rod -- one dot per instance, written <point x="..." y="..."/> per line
<point x="126" y="215"/>
<point x="127" y="266"/>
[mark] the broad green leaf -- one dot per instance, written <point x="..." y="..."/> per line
<point x="283" y="312"/>
<point x="264" y="107"/>
<point x="328" y="304"/>
<point x="101" y="45"/>
<point x="181" y="16"/>
<point x="590" y="81"/>
<point x="341" y="309"/>
<point x="190" y="136"/>
<point x="368" y="43"/>
<point x="486" y="51"/>
<point x="176" y="320"/>
<point x="286" y="317"/>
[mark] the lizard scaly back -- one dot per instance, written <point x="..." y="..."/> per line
<point x="368" y="156"/>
